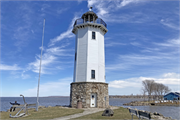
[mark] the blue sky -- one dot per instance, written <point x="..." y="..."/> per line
<point x="142" y="43"/>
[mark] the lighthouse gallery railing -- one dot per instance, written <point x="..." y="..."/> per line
<point x="98" y="21"/>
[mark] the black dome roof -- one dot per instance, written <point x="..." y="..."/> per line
<point x="91" y="13"/>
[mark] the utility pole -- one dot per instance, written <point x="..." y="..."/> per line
<point x="37" y="104"/>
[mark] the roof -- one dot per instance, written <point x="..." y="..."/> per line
<point x="89" y="13"/>
<point x="175" y="93"/>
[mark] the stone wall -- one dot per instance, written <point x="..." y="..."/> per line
<point x="82" y="91"/>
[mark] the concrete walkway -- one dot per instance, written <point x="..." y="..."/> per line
<point x="87" y="111"/>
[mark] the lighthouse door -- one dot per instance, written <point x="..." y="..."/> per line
<point x="93" y="100"/>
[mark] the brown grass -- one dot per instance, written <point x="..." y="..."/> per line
<point x="43" y="113"/>
<point x="119" y="114"/>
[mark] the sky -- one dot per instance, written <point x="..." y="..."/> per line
<point x="142" y="43"/>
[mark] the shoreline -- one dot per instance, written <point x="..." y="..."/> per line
<point x="153" y="103"/>
<point x="155" y="115"/>
<point x="133" y="103"/>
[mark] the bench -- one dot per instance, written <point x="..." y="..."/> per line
<point x="144" y="115"/>
<point x="140" y="114"/>
<point x="133" y="112"/>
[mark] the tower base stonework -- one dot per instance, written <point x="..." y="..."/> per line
<point x="82" y="91"/>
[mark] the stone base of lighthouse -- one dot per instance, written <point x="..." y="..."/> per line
<point x="91" y="94"/>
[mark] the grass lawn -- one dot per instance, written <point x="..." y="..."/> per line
<point x="43" y="113"/>
<point x="120" y="114"/>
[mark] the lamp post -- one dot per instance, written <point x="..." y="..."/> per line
<point x="37" y="104"/>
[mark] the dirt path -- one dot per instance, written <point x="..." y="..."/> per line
<point x="86" y="112"/>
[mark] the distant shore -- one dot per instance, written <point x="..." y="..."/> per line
<point x="154" y="103"/>
<point x="58" y="96"/>
<point x="110" y="96"/>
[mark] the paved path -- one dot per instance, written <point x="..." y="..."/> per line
<point x="86" y="112"/>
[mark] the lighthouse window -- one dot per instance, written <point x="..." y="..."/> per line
<point x="93" y="35"/>
<point x="92" y="74"/>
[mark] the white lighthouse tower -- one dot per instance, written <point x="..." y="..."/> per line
<point x="88" y="84"/>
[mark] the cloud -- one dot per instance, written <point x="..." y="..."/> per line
<point x="32" y="31"/>
<point x="151" y="50"/>
<point x="51" y="55"/>
<point x="49" y="58"/>
<point x="59" y="11"/>
<point x="67" y="34"/>
<point x="8" y="67"/>
<point x="55" y="88"/>
<point x="117" y="66"/>
<point x="46" y="60"/>
<point x="126" y="2"/>
<point x="79" y="1"/>
<point x="106" y="9"/>
<point x="47" y="10"/>
<point x="45" y="6"/>
<point x="167" y="78"/>
<point x="100" y="5"/>
<point x="170" y="43"/>
<point x="110" y="44"/>
<point x="133" y="60"/>
<point x="169" y="48"/>
<point x="169" y="24"/>
<point x="123" y="83"/>
<point x="22" y="28"/>
<point x="171" y="75"/>
<point x="161" y="53"/>
<point x="24" y="76"/>
<point x="135" y="44"/>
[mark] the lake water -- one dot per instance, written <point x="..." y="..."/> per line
<point x="167" y="111"/>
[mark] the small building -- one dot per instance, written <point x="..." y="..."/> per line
<point x="172" y="96"/>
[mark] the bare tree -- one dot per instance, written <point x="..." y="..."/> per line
<point x="166" y="90"/>
<point x="162" y="89"/>
<point x="159" y="89"/>
<point x="155" y="89"/>
<point x="148" y="87"/>
<point x="144" y="93"/>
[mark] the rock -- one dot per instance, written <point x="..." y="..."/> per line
<point x="170" y="118"/>
<point x="158" y="114"/>
<point x="108" y="112"/>
<point x="49" y="106"/>
<point x="41" y="107"/>
<point x="151" y="114"/>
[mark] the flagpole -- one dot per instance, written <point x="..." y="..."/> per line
<point x="37" y="104"/>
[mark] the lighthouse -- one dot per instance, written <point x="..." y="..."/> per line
<point x="89" y="86"/>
